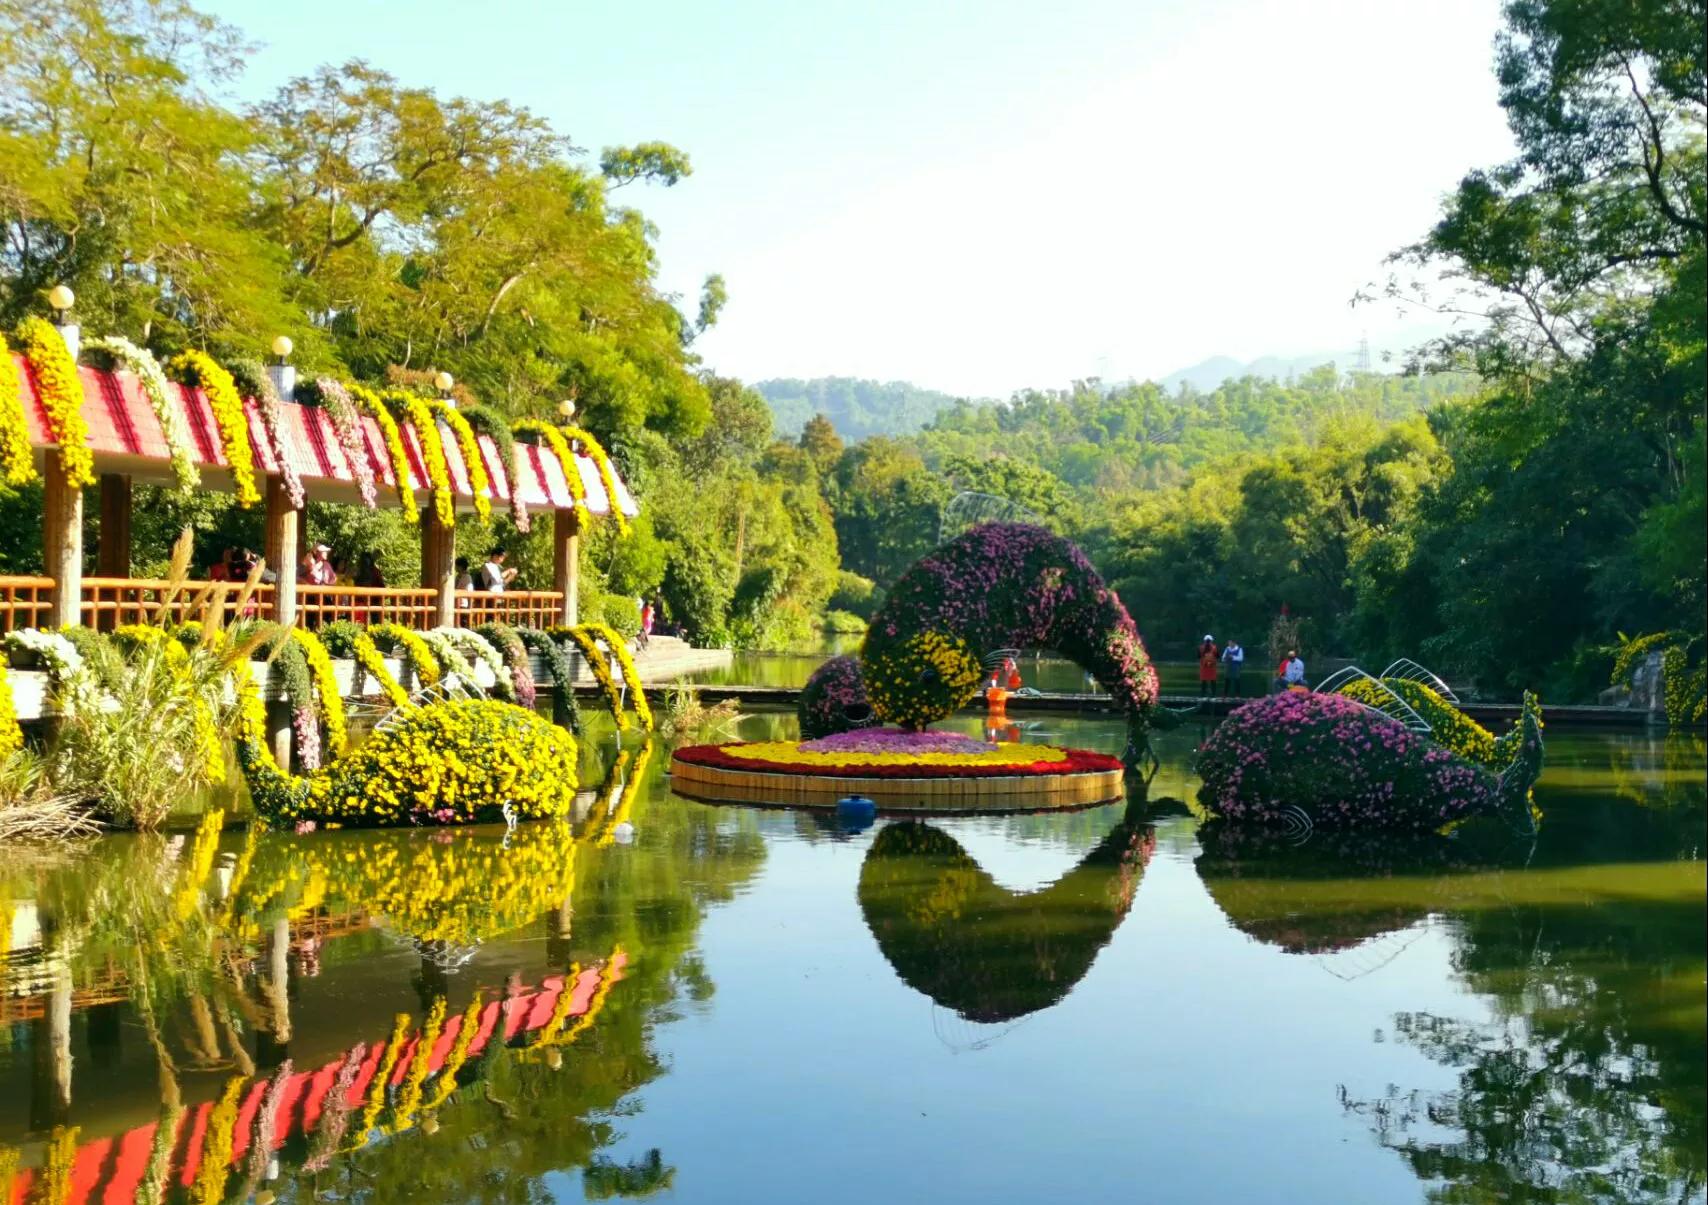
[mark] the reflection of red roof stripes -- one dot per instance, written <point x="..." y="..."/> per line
<point x="108" y="1170"/>
<point x="126" y="437"/>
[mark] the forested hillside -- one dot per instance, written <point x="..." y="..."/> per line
<point x="856" y="408"/>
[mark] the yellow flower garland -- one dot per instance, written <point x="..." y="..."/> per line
<point x="11" y="737"/>
<point x="62" y="397"/>
<point x="168" y="410"/>
<point x="420" y="416"/>
<point x="566" y="460"/>
<point x="631" y="676"/>
<point x="416" y="651"/>
<point x="327" y="697"/>
<point x="198" y="368"/>
<point x="17" y="464"/>
<point x="395" y="451"/>
<point x="584" y="641"/>
<point x="479" y="482"/>
<point x="607" y="476"/>
<point x="368" y="656"/>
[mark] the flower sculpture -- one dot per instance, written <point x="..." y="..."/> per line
<point x="61" y="392"/>
<point x="459" y="761"/>
<point x="834" y="700"/>
<point x="201" y="371"/>
<point x="1000" y="585"/>
<point x="1329" y="762"/>
<point x="17" y="462"/>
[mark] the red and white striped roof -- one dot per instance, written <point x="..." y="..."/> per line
<point x="125" y="436"/>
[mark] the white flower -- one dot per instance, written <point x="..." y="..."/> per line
<point x="141" y="362"/>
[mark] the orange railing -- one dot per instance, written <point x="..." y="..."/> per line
<point x="110" y="602"/>
<point x="318" y="606"/>
<point x="23" y="602"/>
<point x="519" y="608"/>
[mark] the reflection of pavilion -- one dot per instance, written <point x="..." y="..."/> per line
<point x="395" y="1083"/>
<point x="990" y="954"/>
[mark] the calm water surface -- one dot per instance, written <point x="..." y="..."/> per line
<point x="732" y="1004"/>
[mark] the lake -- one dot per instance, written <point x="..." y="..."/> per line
<point x="707" y="1004"/>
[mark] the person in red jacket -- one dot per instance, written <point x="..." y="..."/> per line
<point x="1209" y="658"/>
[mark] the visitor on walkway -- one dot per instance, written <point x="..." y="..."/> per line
<point x="220" y="570"/>
<point x="368" y="572"/>
<point x="494" y="576"/>
<point x="1207" y="662"/>
<point x="465" y="580"/>
<point x="1233" y="662"/>
<point x="646" y="618"/>
<point x="317" y="567"/>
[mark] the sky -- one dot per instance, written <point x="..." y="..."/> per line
<point x="984" y="196"/>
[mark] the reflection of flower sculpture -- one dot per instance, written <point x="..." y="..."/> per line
<point x="1000" y="585"/>
<point x="1339" y="765"/>
<point x="1337" y="891"/>
<point x="988" y="953"/>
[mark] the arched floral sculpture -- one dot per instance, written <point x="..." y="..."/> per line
<point x="1324" y="761"/>
<point x="1000" y="585"/>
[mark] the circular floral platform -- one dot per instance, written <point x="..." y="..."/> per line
<point x="900" y="771"/>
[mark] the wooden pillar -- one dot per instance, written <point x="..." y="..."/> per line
<point x="439" y="566"/>
<point x="112" y="556"/>
<point x="62" y="544"/>
<point x="282" y="550"/>
<point x="566" y="566"/>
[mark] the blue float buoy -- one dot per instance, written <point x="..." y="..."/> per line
<point x="856" y="812"/>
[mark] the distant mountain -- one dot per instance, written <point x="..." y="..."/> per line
<point x="1207" y="374"/>
<point x="856" y="408"/>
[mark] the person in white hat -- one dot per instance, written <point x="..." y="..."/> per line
<point x="317" y="567"/>
<point x="1209" y="658"/>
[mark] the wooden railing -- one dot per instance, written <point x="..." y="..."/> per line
<point x="318" y="606"/>
<point x="519" y="608"/>
<point x="23" y="602"/>
<point x="110" y="602"/>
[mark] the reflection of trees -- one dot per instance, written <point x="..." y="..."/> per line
<point x="951" y="932"/>
<point x="1588" y="1083"/>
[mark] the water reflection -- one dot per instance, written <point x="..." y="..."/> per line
<point x="212" y="1016"/>
<point x="987" y="953"/>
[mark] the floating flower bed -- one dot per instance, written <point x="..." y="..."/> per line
<point x="791" y="757"/>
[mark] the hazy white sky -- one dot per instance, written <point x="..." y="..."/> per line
<point x="980" y="196"/>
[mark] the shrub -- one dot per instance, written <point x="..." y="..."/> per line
<point x="843" y="623"/>
<point x="834" y="700"/>
<point x="854" y="593"/>
<point x="697" y="596"/>
<point x="453" y="762"/>
<point x="1343" y="766"/>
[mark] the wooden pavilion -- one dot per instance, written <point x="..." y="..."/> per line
<point x="130" y="446"/>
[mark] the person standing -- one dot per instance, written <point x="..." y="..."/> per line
<point x="1207" y="663"/>
<point x="494" y="576"/>
<point x="317" y="567"/>
<point x="1233" y="663"/>
<point x="645" y="623"/>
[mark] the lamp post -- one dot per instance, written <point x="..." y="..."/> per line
<point x="442" y="382"/>
<point x="281" y="371"/>
<point x="61" y="298"/>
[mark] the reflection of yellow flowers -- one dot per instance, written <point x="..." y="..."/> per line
<point x="376" y="1089"/>
<point x="466" y="1027"/>
<point x="216" y="1149"/>
<point x="607" y="477"/>
<point x="631" y="788"/>
<point x="61" y="391"/>
<point x="409" y="1095"/>
<point x="196" y="870"/>
<point x="198" y="368"/>
<point x="790" y="752"/>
